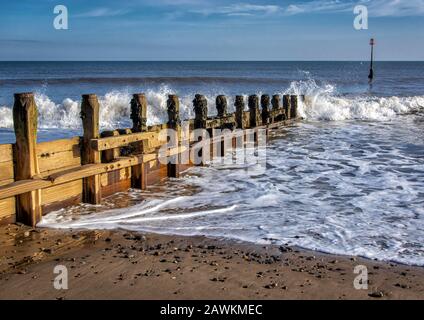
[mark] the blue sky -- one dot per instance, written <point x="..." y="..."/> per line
<point x="210" y="30"/>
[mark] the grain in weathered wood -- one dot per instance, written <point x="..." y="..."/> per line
<point x="110" y="155"/>
<point x="56" y="161"/>
<point x="61" y="192"/>
<point x="25" y="119"/>
<point x="57" y="146"/>
<point x="6" y="171"/>
<point x="116" y="181"/>
<point x="90" y="109"/>
<point x="20" y="187"/>
<point x="6" y="152"/>
<point x="120" y="141"/>
<point x="7" y="207"/>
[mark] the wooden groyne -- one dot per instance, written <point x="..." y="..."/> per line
<point x="37" y="178"/>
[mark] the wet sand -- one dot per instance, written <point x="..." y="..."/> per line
<point x="129" y="265"/>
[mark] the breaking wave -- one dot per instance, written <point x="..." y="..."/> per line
<point x="322" y="103"/>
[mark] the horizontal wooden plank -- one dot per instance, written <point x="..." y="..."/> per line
<point x="54" y="206"/>
<point x="8" y="220"/>
<point x="6" y="170"/>
<point x="5" y="182"/>
<point x="58" y="160"/>
<point x="159" y="173"/>
<point x="7" y="207"/>
<point x="120" y="141"/>
<point x="115" y="176"/>
<point x="58" y="146"/>
<point x="6" y="152"/>
<point x="61" y="192"/>
<point x="24" y="186"/>
<point x="47" y="174"/>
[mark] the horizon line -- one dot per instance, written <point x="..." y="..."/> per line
<point x="209" y="60"/>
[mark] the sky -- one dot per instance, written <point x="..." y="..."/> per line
<point x="210" y="30"/>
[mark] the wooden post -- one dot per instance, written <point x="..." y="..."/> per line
<point x="139" y="120"/>
<point x="254" y="110"/>
<point x="112" y="154"/>
<point x="265" y="103"/>
<point x="90" y="121"/>
<point x="221" y="106"/>
<point x="139" y="112"/>
<point x="294" y="104"/>
<point x="275" y="102"/>
<point x="239" y="104"/>
<point x="200" y="105"/>
<point x="25" y="120"/>
<point x="174" y="122"/>
<point x="287" y="105"/>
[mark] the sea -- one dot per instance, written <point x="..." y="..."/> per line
<point x="347" y="179"/>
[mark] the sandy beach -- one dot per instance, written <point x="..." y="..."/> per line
<point x="127" y="265"/>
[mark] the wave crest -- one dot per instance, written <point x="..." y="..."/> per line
<point x="323" y="103"/>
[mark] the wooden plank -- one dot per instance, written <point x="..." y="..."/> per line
<point x="47" y="174"/>
<point x="7" y="207"/>
<point x="6" y="171"/>
<point x="54" y="206"/>
<point x="23" y="186"/>
<point x="5" y="182"/>
<point x="116" y="181"/>
<point x="58" y="160"/>
<point x="6" y="152"/>
<point x="61" y="192"/>
<point x="120" y="141"/>
<point x="155" y="172"/>
<point x="8" y="220"/>
<point x="59" y="146"/>
<point x="20" y="187"/>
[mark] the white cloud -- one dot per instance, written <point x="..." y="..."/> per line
<point x="102" y="12"/>
<point x="395" y="8"/>
<point x="377" y="8"/>
<point x="241" y="9"/>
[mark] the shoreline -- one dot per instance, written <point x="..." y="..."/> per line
<point x="122" y="264"/>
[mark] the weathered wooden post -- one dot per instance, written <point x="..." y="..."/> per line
<point x="275" y="102"/>
<point x="200" y="105"/>
<point x="174" y="123"/>
<point x="221" y="106"/>
<point x="139" y="112"/>
<point x="255" y="117"/>
<point x="239" y="104"/>
<point x="139" y="120"/>
<point x="90" y="121"/>
<point x="25" y="120"/>
<point x="201" y="111"/>
<point x="294" y="104"/>
<point x="287" y="106"/>
<point x="265" y="103"/>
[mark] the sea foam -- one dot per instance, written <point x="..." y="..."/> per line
<point x="323" y="103"/>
